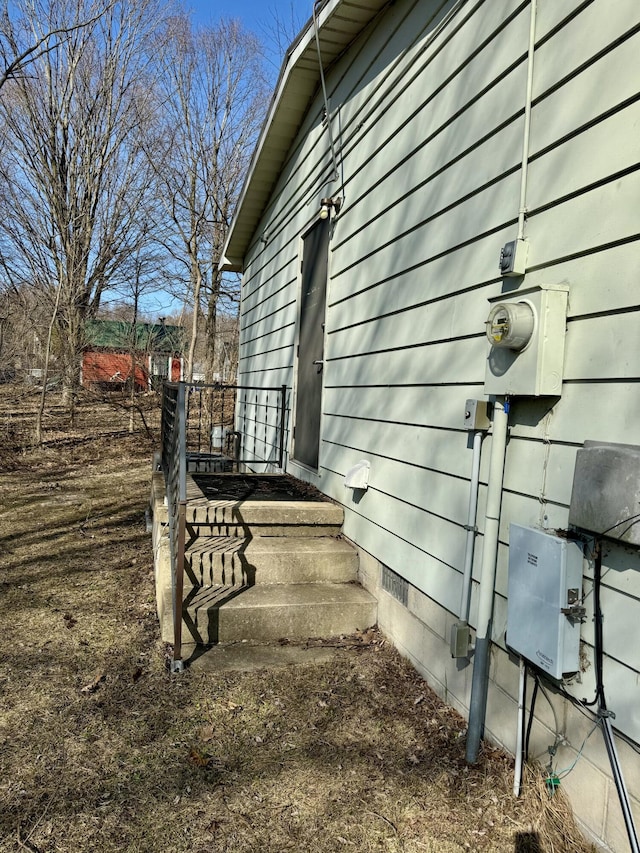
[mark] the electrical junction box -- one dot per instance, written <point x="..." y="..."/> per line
<point x="476" y="415"/>
<point x="605" y="498"/>
<point x="513" y="258"/>
<point x="544" y="608"/>
<point x="526" y="331"/>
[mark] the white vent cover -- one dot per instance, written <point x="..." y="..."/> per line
<point x="358" y="476"/>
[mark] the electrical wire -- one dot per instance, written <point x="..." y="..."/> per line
<point x="553" y="710"/>
<point x="580" y="705"/>
<point x="560" y="774"/>
<point x="534" y="696"/>
<point x="559" y="737"/>
<point x="316" y="8"/>
<point x="634" y="519"/>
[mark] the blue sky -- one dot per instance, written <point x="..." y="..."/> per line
<point x="259" y="17"/>
<point x="254" y="14"/>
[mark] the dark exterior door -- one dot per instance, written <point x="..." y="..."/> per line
<point x="311" y="344"/>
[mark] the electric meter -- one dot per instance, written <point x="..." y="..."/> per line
<point x="510" y="325"/>
<point x="526" y="332"/>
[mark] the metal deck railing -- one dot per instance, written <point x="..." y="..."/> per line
<point x="213" y="429"/>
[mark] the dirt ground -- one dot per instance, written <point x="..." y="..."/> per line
<point x="102" y="749"/>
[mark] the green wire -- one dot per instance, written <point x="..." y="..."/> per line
<point x="562" y="773"/>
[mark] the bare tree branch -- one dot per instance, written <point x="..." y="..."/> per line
<point x="75" y="180"/>
<point x="212" y="108"/>
<point x="34" y="51"/>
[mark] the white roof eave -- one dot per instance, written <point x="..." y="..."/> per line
<point x="295" y="89"/>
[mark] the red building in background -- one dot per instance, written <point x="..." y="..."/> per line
<point x="117" y="351"/>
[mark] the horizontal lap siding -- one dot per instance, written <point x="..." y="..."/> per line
<point x="431" y="121"/>
<point x="583" y="226"/>
<point x="411" y="273"/>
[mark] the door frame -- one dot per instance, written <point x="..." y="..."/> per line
<point x="307" y="470"/>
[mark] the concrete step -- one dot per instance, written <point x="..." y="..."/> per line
<point x="242" y="562"/>
<point x="295" y="531"/>
<point x="250" y="518"/>
<point x="264" y="518"/>
<point x="300" y="611"/>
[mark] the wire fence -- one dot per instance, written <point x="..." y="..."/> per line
<point x="233" y="426"/>
<point x="213" y="429"/>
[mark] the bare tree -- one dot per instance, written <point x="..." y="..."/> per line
<point x="280" y="28"/>
<point x="73" y="171"/>
<point x="213" y="103"/>
<point x="16" y="56"/>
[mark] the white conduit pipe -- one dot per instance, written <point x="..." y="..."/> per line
<point x="465" y="599"/>
<point x="479" y="686"/>
<point x="517" y="776"/>
<point x="524" y="172"/>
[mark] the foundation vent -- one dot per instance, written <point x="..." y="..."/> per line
<point x="395" y="585"/>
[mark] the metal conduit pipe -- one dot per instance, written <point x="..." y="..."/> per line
<point x="480" y="680"/>
<point x="604" y="714"/>
<point x="460" y="641"/>
<point x="465" y="599"/>
<point x="524" y="171"/>
<point x="618" y="779"/>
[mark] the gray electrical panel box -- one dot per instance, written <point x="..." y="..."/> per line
<point x="544" y="610"/>
<point x="606" y="491"/>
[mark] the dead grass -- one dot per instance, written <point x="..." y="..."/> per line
<point x="102" y="749"/>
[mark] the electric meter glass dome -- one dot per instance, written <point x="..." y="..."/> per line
<point x="510" y="325"/>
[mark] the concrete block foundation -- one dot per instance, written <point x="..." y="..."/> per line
<point x="420" y="631"/>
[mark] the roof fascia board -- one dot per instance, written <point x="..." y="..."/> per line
<point x="231" y="260"/>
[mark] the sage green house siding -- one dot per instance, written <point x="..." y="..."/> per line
<point x="427" y="108"/>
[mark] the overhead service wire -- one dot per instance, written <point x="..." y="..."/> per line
<point x="317" y="6"/>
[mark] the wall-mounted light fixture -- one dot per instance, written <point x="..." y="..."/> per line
<point x="326" y="204"/>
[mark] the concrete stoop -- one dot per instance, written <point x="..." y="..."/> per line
<point x="259" y="571"/>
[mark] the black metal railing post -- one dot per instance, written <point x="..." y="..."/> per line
<point x="174" y="467"/>
<point x="283" y="415"/>
<point x="181" y="442"/>
<point x="177" y="664"/>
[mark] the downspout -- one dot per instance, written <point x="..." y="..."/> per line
<point x="480" y="681"/>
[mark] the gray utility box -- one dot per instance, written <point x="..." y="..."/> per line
<point x="606" y="491"/>
<point x="544" y="610"/>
